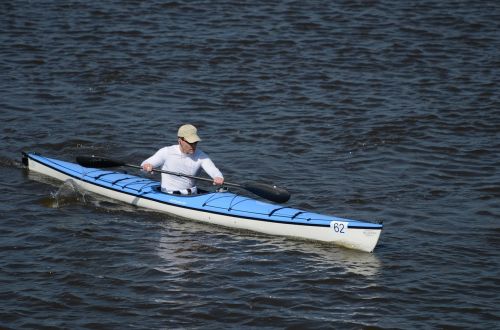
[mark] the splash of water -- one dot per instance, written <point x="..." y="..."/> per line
<point x="68" y="193"/>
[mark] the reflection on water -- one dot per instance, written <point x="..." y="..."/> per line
<point x="261" y="272"/>
<point x="351" y="261"/>
<point x="179" y="249"/>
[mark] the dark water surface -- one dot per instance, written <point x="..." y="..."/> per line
<point x="376" y="110"/>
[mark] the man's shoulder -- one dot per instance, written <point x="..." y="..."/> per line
<point x="170" y="149"/>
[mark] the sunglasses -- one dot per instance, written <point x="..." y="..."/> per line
<point x="192" y="144"/>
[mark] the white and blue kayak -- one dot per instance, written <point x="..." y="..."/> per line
<point x="219" y="207"/>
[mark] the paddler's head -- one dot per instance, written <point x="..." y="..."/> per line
<point x="188" y="138"/>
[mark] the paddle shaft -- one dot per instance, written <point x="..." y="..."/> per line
<point x="263" y="190"/>
<point x="185" y="175"/>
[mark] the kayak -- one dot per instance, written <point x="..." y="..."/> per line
<point x="219" y="207"/>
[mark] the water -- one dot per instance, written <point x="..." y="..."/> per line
<point x="378" y="110"/>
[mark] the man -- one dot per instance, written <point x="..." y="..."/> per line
<point x="184" y="158"/>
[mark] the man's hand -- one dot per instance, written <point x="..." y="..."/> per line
<point x="218" y="181"/>
<point x="147" y="167"/>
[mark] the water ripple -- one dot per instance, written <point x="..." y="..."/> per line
<point x="378" y="110"/>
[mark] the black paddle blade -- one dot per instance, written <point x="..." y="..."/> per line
<point x="272" y="193"/>
<point x="97" y="162"/>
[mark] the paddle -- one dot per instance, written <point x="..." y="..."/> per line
<point x="272" y="193"/>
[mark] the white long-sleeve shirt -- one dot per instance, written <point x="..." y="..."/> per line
<point x="174" y="160"/>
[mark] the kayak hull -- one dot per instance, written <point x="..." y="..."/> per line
<point x="219" y="208"/>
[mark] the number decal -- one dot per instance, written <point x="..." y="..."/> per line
<point x="339" y="227"/>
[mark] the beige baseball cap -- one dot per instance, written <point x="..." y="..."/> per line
<point x="189" y="133"/>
